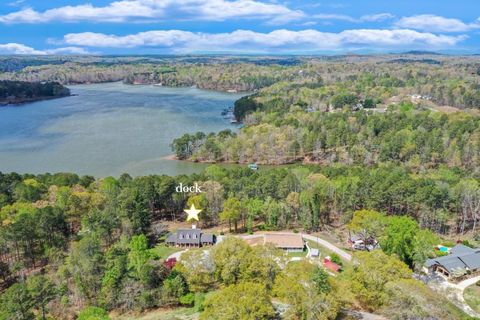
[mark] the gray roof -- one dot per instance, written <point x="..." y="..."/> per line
<point x="171" y="237"/>
<point x="461" y="257"/>
<point x="188" y="236"/>
<point x="472" y="260"/>
<point x="461" y="249"/>
<point x="206" y="237"/>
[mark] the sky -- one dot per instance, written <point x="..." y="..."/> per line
<point x="40" y="27"/>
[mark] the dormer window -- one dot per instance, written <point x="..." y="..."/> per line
<point x="194" y="236"/>
<point x="188" y="236"/>
<point x="180" y="236"/>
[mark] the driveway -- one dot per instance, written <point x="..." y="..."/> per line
<point x="462" y="285"/>
<point x="343" y="254"/>
<point x="455" y="292"/>
<point x="176" y="255"/>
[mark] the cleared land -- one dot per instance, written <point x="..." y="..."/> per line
<point x="472" y="297"/>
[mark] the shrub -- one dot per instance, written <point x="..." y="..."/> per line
<point x="187" y="300"/>
<point x="93" y="313"/>
<point x="336" y="259"/>
<point x="467" y="243"/>
<point x="199" y="302"/>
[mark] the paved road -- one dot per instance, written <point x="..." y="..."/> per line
<point x="343" y="254"/>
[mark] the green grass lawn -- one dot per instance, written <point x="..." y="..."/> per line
<point x="162" y="251"/>
<point x="298" y="254"/>
<point x="472" y="297"/>
<point x="323" y="251"/>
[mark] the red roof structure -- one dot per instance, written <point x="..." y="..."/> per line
<point x="332" y="266"/>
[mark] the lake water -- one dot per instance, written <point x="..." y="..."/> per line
<point x="108" y="129"/>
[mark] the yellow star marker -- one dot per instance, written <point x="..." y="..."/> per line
<point x="192" y="213"/>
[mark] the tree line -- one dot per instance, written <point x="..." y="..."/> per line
<point x="420" y="138"/>
<point x="92" y="242"/>
<point x="20" y="91"/>
<point x="317" y="82"/>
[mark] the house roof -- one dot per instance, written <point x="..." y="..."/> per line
<point x="188" y="236"/>
<point x="206" y="237"/>
<point x="461" y="249"/>
<point x="331" y="265"/>
<point x="253" y="241"/>
<point x="472" y="260"/>
<point x="285" y="241"/>
<point x="171" y="237"/>
<point x="460" y="258"/>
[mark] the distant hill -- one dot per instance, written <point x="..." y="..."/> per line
<point x="420" y="52"/>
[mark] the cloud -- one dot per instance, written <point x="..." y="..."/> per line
<point x="433" y="23"/>
<point x="17" y="48"/>
<point x="152" y="10"/>
<point x="276" y="41"/>
<point x="21" y="49"/>
<point x="16" y="3"/>
<point x="68" y="50"/>
<point x="377" y="17"/>
<point x="329" y="16"/>
<point x="366" y="18"/>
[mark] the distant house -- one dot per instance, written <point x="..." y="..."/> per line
<point x="286" y="241"/>
<point x="461" y="261"/>
<point x="190" y="238"/>
<point x="361" y="242"/>
<point x="416" y="96"/>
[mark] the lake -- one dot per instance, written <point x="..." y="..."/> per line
<point x="108" y="129"/>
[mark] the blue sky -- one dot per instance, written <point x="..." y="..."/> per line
<point x="237" y="26"/>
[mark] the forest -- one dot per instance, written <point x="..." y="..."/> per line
<point x="315" y="82"/>
<point x="80" y="245"/>
<point x="404" y="133"/>
<point x="385" y="145"/>
<point x="12" y="92"/>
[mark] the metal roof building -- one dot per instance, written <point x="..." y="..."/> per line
<point x="460" y="261"/>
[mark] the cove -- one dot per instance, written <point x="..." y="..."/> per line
<point x="108" y="129"/>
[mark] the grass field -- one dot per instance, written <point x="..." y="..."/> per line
<point x="162" y="251"/>
<point x="324" y="251"/>
<point x="298" y="254"/>
<point x="472" y="297"/>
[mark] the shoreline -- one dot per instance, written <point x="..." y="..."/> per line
<point x="172" y="157"/>
<point x="19" y="102"/>
<point x="133" y="84"/>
